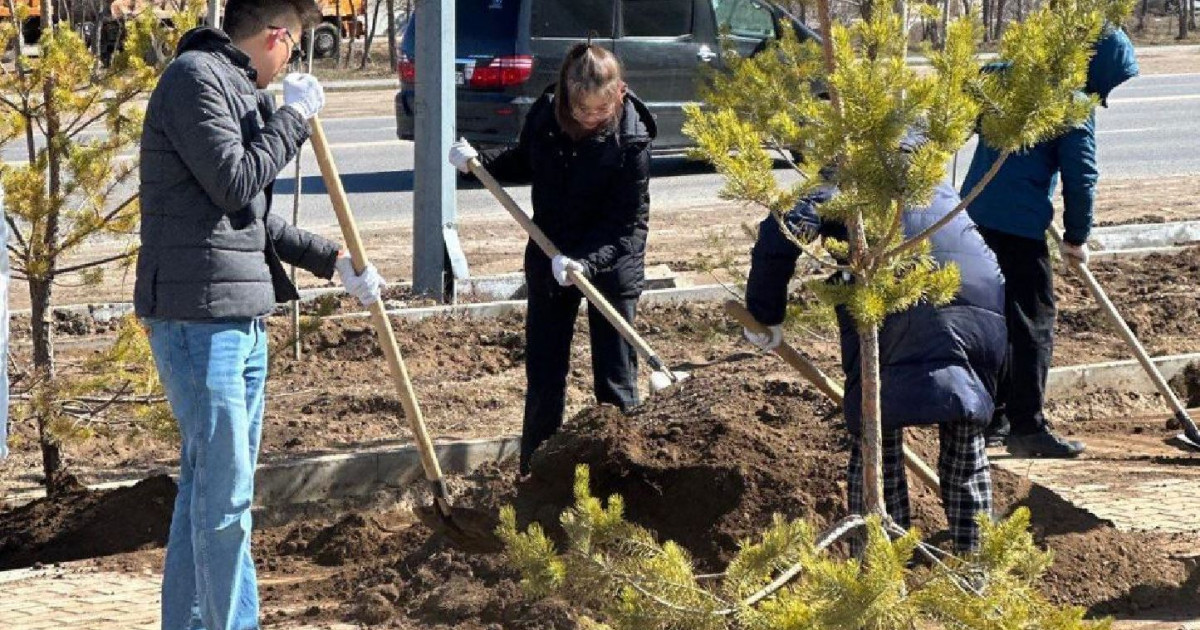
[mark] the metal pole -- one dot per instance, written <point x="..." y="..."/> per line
<point x="214" y="13"/>
<point x="296" y="352"/>
<point x="436" y="254"/>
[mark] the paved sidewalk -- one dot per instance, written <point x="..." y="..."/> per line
<point x="75" y="597"/>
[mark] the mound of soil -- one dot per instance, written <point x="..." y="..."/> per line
<point x="706" y="467"/>
<point x="85" y="524"/>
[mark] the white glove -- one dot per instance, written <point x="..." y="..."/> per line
<point x="1077" y="253"/>
<point x="366" y="286"/>
<point x="560" y="265"/>
<point x="303" y="93"/>
<point x="461" y="153"/>
<point x="767" y="341"/>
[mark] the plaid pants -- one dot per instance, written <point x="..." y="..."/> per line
<point x="964" y="471"/>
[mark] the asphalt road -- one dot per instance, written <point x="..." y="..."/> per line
<point x="1148" y="130"/>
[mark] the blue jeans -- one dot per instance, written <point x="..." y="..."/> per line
<point x="214" y="375"/>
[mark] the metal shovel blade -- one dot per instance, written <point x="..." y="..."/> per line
<point x="468" y="529"/>
<point x="1188" y="440"/>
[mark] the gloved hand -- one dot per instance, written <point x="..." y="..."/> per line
<point x="461" y="153"/>
<point x="303" y="93"/>
<point x="560" y="265"/>
<point x="1078" y="253"/>
<point x="366" y="286"/>
<point x="767" y="341"/>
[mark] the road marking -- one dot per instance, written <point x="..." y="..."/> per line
<point x="1154" y="99"/>
<point x="1116" y="131"/>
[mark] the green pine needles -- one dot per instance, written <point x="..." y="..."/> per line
<point x="620" y="577"/>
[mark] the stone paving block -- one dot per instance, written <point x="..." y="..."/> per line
<point x="1133" y="496"/>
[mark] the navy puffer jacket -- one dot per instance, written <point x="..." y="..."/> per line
<point x="937" y="364"/>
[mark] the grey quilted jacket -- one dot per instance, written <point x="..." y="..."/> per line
<point x="212" y="145"/>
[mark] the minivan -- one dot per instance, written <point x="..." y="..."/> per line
<point x="509" y="51"/>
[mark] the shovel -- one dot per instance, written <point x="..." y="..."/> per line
<point x="662" y="377"/>
<point x="1190" y="437"/>
<point x="827" y="386"/>
<point x="469" y="529"/>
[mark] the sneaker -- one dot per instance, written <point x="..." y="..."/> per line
<point x="1043" y="444"/>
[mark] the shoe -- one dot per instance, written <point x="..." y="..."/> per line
<point x="996" y="441"/>
<point x="1044" y="444"/>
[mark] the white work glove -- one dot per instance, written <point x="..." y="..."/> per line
<point x="560" y="266"/>
<point x="767" y="341"/>
<point x="461" y="153"/>
<point x="366" y="286"/>
<point x="303" y="93"/>
<point x="1078" y="253"/>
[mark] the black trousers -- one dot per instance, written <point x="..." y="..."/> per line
<point x="1030" y="310"/>
<point x="549" y="327"/>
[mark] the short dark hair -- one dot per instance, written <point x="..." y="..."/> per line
<point x="246" y="18"/>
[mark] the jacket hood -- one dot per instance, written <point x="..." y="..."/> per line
<point x="213" y="40"/>
<point x="637" y="123"/>
<point x="1113" y="63"/>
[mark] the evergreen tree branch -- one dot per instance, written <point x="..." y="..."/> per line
<point x="80" y="236"/>
<point x="16" y="232"/>
<point x="95" y="263"/>
<point x="962" y="205"/>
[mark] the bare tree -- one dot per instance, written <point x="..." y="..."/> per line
<point x="1183" y="20"/>
<point x="366" y="56"/>
<point x="391" y="21"/>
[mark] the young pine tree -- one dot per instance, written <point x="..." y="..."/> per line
<point x="768" y="106"/>
<point x="78" y="122"/>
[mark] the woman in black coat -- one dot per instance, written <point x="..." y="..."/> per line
<point x="585" y="148"/>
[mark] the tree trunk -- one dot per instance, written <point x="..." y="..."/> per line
<point x="370" y="36"/>
<point x="1192" y="20"/>
<point x="41" y="290"/>
<point x="944" y="28"/>
<point x="391" y="21"/>
<point x="1183" y="15"/>
<point x="987" y="20"/>
<point x="871" y="423"/>
<point x="1142" y="16"/>
<point x="998" y="19"/>
<point x="47" y="15"/>
<point x="867" y="9"/>
<point x="1020" y="10"/>
<point x="352" y="30"/>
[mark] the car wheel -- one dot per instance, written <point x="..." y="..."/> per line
<point x="327" y="39"/>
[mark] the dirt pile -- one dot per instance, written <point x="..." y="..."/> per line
<point x="706" y="467"/>
<point x="87" y="524"/>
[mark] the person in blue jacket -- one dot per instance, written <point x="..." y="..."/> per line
<point x="938" y="365"/>
<point x="1013" y="213"/>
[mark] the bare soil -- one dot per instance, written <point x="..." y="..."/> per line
<point x="469" y="374"/>
<point x="705" y="466"/>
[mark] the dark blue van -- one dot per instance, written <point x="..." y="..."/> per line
<point x="509" y="51"/>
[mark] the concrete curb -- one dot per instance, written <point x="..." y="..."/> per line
<point x="1119" y="375"/>
<point x="353" y="475"/>
<point x="348" y="475"/>
<point x="484" y="310"/>
<point x="1140" y="252"/>
<point x="1148" y="235"/>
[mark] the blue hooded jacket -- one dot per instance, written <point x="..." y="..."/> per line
<point x="1019" y="200"/>
<point x="937" y="364"/>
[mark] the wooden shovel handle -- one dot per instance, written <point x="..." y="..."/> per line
<point x="585" y="286"/>
<point x="827" y="385"/>
<point x="383" y="325"/>
<point x="1126" y="333"/>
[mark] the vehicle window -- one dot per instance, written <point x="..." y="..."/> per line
<point x="656" y="18"/>
<point x="744" y="18"/>
<point x="572" y="18"/>
<point x="482" y="28"/>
